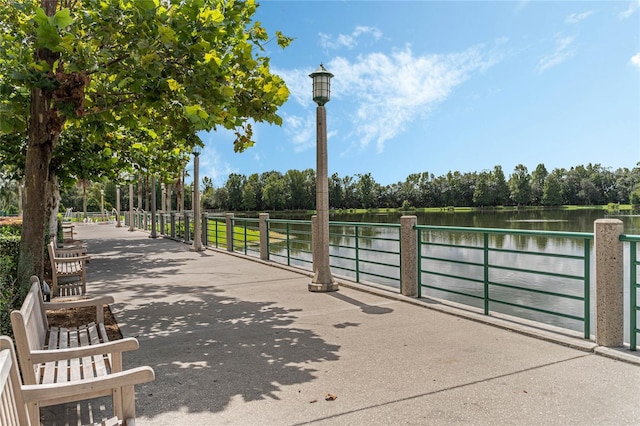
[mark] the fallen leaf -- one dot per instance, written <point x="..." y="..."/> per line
<point x="311" y="402"/>
<point x="330" y="397"/>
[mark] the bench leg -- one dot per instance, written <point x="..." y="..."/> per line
<point x="33" y="412"/>
<point x="117" y="402"/>
<point x="128" y="403"/>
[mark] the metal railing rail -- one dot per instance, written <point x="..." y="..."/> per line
<point x="486" y="295"/>
<point x="634" y="287"/>
<point x="297" y="242"/>
<point x="520" y="273"/>
<point x="246" y="236"/>
<point x="215" y="232"/>
<point x="368" y="258"/>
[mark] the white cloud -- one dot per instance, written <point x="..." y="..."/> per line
<point x="391" y="91"/>
<point x="301" y="130"/>
<point x="383" y="93"/>
<point x="349" y="41"/>
<point x="562" y="53"/>
<point x="633" y="6"/>
<point x="635" y="59"/>
<point x="574" y="18"/>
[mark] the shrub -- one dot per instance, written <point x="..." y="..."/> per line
<point x="13" y="284"/>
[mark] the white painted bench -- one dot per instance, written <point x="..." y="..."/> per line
<point x="20" y="404"/>
<point x="51" y="355"/>
<point x="68" y="270"/>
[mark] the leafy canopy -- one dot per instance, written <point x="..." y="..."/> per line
<point x="133" y="81"/>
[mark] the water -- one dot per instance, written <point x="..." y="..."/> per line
<point x="544" y="220"/>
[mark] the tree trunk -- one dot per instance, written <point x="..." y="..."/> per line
<point x="53" y="204"/>
<point x="42" y="138"/>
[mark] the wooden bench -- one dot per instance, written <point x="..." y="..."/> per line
<point x="51" y="355"/>
<point x="67" y="232"/>
<point x="20" y="404"/>
<point x="68" y="270"/>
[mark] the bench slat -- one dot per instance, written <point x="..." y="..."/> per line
<point x="87" y="362"/>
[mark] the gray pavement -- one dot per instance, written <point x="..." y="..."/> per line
<point x="240" y="342"/>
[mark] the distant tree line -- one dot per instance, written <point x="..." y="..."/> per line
<point x="295" y="189"/>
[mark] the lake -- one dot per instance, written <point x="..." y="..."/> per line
<point x="544" y="220"/>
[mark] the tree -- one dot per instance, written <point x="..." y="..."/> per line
<point x="538" y="177"/>
<point x="520" y="185"/>
<point x="234" y="187"/>
<point x="336" y="193"/>
<point x="481" y="194"/>
<point x="366" y="190"/>
<point x="274" y="194"/>
<point x="187" y="66"/>
<point x="498" y="187"/>
<point x="552" y="191"/>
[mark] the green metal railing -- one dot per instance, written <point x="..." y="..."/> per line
<point x="215" y="232"/>
<point x="246" y="235"/>
<point x="538" y="275"/>
<point x="371" y="250"/>
<point x="634" y="288"/>
<point x="487" y="281"/>
<point x="355" y="248"/>
<point x="289" y="241"/>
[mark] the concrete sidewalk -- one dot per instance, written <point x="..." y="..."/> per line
<point x="238" y="342"/>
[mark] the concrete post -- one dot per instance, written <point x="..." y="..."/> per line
<point x="162" y="223"/>
<point x="314" y="229"/>
<point x="264" y="236"/>
<point x="408" y="256"/>
<point x="609" y="282"/>
<point x="229" y="217"/>
<point x="187" y="227"/>
<point x="173" y="225"/>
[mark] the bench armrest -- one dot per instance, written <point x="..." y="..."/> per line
<point x="79" y="303"/>
<point x="115" y="346"/>
<point x="87" y="387"/>
<point x="72" y="259"/>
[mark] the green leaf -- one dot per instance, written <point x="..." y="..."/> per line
<point x="146" y="5"/>
<point x="167" y="35"/>
<point x="63" y="18"/>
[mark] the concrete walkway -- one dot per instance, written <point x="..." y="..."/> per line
<point x="237" y="342"/>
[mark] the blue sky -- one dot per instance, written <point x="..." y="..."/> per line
<point x="449" y="85"/>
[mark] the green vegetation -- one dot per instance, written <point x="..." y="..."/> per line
<point x="295" y="190"/>
<point x="114" y="89"/>
<point x="11" y="293"/>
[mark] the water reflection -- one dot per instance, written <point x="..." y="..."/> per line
<point x="379" y="258"/>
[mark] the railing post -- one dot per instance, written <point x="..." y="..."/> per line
<point x="314" y="254"/>
<point x="205" y="229"/>
<point x="264" y="236"/>
<point x="229" y="217"/>
<point x="173" y="225"/>
<point x="162" y="224"/>
<point x="609" y="282"/>
<point x="187" y="228"/>
<point x="408" y="256"/>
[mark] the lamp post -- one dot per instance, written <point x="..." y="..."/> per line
<point x="197" y="220"/>
<point x="131" y="218"/>
<point x="102" y="204"/>
<point x="118" y="224"/>
<point x="154" y="231"/>
<point x="322" y="279"/>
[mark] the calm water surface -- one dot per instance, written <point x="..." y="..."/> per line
<point x="548" y="220"/>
